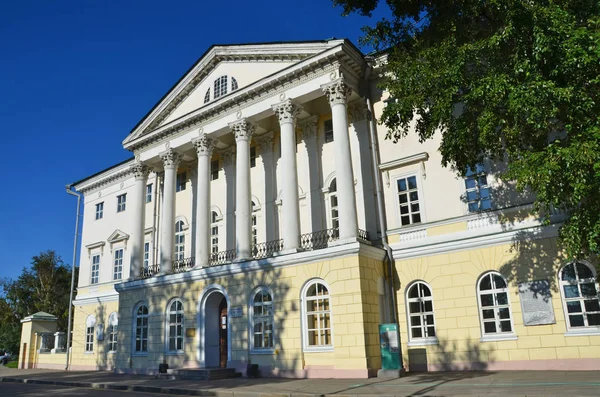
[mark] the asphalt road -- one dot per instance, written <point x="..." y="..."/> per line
<point x="10" y="389"/>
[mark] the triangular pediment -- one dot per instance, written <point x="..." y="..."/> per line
<point x="246" y="63"/>
<point x="117" y="236"/>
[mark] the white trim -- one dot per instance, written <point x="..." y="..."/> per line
<point x="167" y="323"/>
<point x="200" y="336"/>
<point x="585" y="330"/>
<point x="422" y="213"/>
<point x="252" y="349"/>
<point x="110" y="296"/>
<point x="424" y="156"/>
<point x="498" y="335"/>
<point x="498" y="338"/>
<point x="113" y="320"/>
<point x="303" y="319"/>
<point x="134" y="328"/>
<point x="98" y="244"/>
<point x="425" y="340"/>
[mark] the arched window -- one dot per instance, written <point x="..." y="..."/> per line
<point x="113" y="325"/>
<point x="333" y="203"/>
<point x="494" y="306"/>
<point x="90" y="323"/>
<point x="175" y="326"/>
<point x="207" y="96"/>
<point x="317" y="327"/>
<point x="214" y="234"/>
<point x="220" y="87"/>
<point x="234" y="84"/>
<point x="579" y="291"/>
<point x="179" y="241"/>
<point x="262" y="319"/>
<point x="141" y="328"/>
<point x="419" y="302"/>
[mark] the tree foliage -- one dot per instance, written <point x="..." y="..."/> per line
<point x="516" y="81"/>
<point x="43" y="287"/>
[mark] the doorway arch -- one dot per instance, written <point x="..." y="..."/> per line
<point x="211" y="336"/>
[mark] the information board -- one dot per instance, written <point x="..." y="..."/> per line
<point x="390" y="346"/>
<point x="536" y="302"/>
<point x="236" y="312"/>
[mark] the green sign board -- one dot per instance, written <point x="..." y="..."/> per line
<point x="389" y="341"/>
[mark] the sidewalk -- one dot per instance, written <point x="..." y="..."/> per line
<point x="523" y="383"/>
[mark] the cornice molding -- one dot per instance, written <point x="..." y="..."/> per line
<point x="103" y="180"/>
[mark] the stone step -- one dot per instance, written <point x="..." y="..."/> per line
<point x="202" y="373"/>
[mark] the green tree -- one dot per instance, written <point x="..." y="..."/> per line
<point x="516" y="81"/>
<point x="43" y="287"/>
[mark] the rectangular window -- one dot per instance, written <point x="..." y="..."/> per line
<point x="99" y="210"/>
<point x="89" y="339"/>
<point x="95" y="269"/>
<point x="112" y="338"/>
<point x="253" y="156"/>
<point x="121" y="201"/>
<point x="149" y="193"/>
<point x="478" y="190"/>
<point x="408" y="200"/>
<point x="146" y="254"/>
<point x="181" y="182"/>
<point x="328" y="131"/>
<point x="214" y="170"/>
<point x="118" y="269"/>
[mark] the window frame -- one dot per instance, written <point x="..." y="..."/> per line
<point x="180" y="240"/>
<point x="252" y="156"/>
<point x="214" y="169"/>
<point x="251" y="318"/>
<point x="121" y="202"/>
<point x="586" y="329"/>
<point x="95" y="274"/>
<point x="149" y="188"/>
<point x="118" y="264"/>
<point x="424" y="340"/>
<point x="99" y="211"/>
<point x="134" y="336"/>
<point x="168" y="323"/>
<point x="112" y="332"/>
<point x="490" y="337"/>
<point x="420" y="200"/>
<point x="207" y="96"/>
<point x="220" y="86"/>
<point x="304" y="318"/>
<point x="90" y="329"/>
<point x="214" y="233"/>
<point x="328" y="135"/>
<point x="481" y="170"/>
<point x="181" y="181"/>
<point x="146" y="256"/>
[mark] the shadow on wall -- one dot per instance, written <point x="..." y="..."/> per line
<point x="450" y="356"/>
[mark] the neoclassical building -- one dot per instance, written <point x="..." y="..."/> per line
<point x="264" y="219"/>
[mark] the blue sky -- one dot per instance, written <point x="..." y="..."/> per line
<point x="76" y="76"/>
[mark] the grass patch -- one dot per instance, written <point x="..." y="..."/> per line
<point x="11" y="364"/>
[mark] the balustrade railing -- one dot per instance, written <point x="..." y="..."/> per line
<point x="182" y="265"/>
<point x="363" y="235"/>
<point x="150" y="271"/>
<point x="267" y="249"/>
<point x="319" y="240"/>
<point x="221" y="258"/>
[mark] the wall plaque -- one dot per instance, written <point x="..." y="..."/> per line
<point x="536" y="302"/>
<point x="235" y="312"/>
<point x="190" y="332"/>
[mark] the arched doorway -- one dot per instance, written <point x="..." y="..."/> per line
<point x="213" y="322"/>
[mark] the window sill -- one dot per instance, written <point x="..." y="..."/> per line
<point x="323" y="349"/>
<point x="583" y="332"/>
<point x="112" y="352"/>
<point x="263" y="351"/>
<point x="140" y="354"/>
<point x="498" y="338"/>
<point x="423" y="342"/>
<point x="177" y="353"/>
<point x="88" y="352"/>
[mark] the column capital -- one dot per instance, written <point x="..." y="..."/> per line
<point x="170" y="159"/>
<point x="242" y="130"/>
<point x="265" y="142"/>
<point x="204" y="145"/>
<point x="227" y="155"/>
<point x="139" y="170"/>
<point x="309" y="127"/>
<point x="287" y="111"/>
<point x="337" y="92"/>
<point x="358" y="111"/>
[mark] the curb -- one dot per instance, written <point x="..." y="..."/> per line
<point x="156" y="389"/>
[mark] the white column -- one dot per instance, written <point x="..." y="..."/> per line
<point x="338" y="92"/>
<point x="170" y="160"/>
<point x="315" y="197"/>
<point x="204" y="147"/>
<point x="243" y="204"/>
<point x="228" y="159"/>
<point x="138" y="203"/>
<point x="287" y="112"/>
<point x="265" y="144"/>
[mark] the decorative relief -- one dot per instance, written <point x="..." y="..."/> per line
<point x="204" y="145"/>
<point x="482" y="222"/>
<point x="167" y="145"/>
<point x="242" y="130"/>
<point x="282" y="96"/>
<point x="238" y="114"/>
<point x="121" y="185"/>
<point x="200" y="131"/>
<point x="170" y="159"/>
<point x="287" y="111"/>
<point x="137" y="158"/>
<point x="139" y="170"/>
<point x="358" y="111"/>
<point x="228" y="156"/>
<point x="337" y="92"/>
<point x="265" y="142"/>
<point x="100" y="194"/>
<point x="309" y="127"/>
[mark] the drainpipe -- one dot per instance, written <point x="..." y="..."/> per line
<point x="372" y="127"/>
<point x="78" y="195"/>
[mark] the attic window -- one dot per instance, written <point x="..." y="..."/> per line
<point x="234" y="84"/>
<point x="220" y="87"/>
<point x="207" y="96"/>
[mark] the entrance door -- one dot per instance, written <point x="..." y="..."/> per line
<point x="223" y="333"/>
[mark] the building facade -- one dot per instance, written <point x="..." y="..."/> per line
<point x="265" y="219"/>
